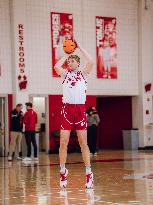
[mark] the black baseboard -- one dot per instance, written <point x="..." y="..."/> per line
<point x="146" y="148"/>
<point x="56" y="151"/>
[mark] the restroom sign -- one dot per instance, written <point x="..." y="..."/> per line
<point x="22" y="78"/>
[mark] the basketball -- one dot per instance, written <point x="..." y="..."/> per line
<point x="69" y="46"/>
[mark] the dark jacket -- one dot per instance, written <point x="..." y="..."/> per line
<point x="16" y="121"/>
<point x="30" y="120"/>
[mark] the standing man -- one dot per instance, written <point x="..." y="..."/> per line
<point x="30" y="121"/>
<point x="73" y="114"/>
<point x="16" y="120"/>
<point x="93" y="121"/>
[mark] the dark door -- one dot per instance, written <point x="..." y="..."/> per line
<point x="115" y="114"/>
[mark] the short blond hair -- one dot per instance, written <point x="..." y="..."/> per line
<point x="75" y="57"/>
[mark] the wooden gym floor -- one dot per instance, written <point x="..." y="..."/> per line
<point x="120" y="178"/>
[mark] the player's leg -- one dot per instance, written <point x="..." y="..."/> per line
<point x="64" y="139"/>
<point x="12" y="145"/>
<point x="82" y="138"/>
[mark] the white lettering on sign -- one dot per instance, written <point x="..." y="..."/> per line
<point x="22" y="78"/>
<point x="99" y="31"/>
<point x="55" y="28"/>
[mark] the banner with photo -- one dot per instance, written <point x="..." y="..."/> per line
<point x="61" y="28"/>
<point x="106" y="47"/>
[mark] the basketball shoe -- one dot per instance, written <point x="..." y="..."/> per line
<point x="63" y="179"/>
<point x="89" y="180"/>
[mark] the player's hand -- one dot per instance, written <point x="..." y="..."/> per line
<point x="77" y="44"/>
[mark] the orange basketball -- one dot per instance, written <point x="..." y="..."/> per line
<point x="69" y="46"/>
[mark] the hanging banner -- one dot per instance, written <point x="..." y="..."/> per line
<point x="22" y="78"/>
<point x="106" y="47"/>
<point x="61" y="29"/>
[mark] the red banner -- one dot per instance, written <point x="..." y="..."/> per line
<point x="106" y="47"/>
<point x="61" y="29"/>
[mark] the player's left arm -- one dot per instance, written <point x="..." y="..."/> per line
<point x="89" y="61"/>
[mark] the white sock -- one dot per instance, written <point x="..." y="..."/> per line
<point x="88" y="169"/>
<point x="62" y="168"/>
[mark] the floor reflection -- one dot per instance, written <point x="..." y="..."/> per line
<point x="120" y="178"/>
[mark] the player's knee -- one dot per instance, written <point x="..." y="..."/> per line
<point x="83" y="145"/>
<point x="63" y="144"/>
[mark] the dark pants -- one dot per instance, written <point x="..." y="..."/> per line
<point x="30" y="138"/>
<point x="92" y="138"/>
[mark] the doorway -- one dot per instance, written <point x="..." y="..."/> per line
<point x="115" y="114"/>
<point x="40" y="106"/>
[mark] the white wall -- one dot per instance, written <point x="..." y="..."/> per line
<point x="141" y="103"/>
<point x="5" y="49"/>
<point x="126" y="14"/>
<point x="35" y="15"/>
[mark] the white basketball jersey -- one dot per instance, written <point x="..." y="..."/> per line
<point x="74" y="87"/>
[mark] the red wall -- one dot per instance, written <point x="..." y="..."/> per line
<point x="91" y="101"/>
<point x="55" y="103"/>
<point x="115" y="114"/>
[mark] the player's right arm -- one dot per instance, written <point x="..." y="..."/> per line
<point x="58" y="66"/>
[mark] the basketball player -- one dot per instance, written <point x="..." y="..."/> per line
<point x="73" y="113"/>
<point x="105" y="53"/>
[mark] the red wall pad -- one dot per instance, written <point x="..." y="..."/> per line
<point x="115" y="114"/>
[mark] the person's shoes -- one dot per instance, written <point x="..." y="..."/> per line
<point x="19" y="158"/>
<point x="27" y="159"/>
<point x="27" y="163"/>
<point x="95" y="154"/>
<point x="63" y="179"/>
<point x="9" y="158"/>
<point x="89" y="180"/>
